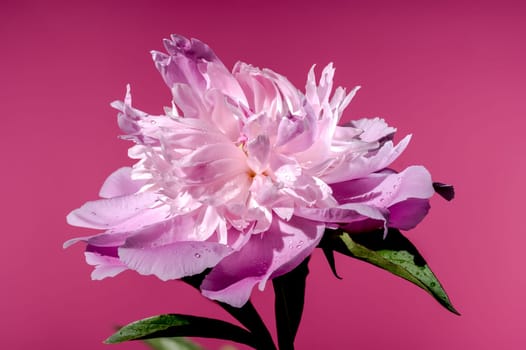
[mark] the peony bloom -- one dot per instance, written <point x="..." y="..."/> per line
<point x="242" y="175"/>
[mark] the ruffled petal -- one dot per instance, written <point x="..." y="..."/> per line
<point x="373" y="129"/>
<point x="181" y="65"/>
<point x="292" y="98"/>
<point x="356" y="167"/>
<point x="297" y="133"/>
<point x="105" y="265"/>
<point x="193" y="64"/>
<point x="129" y="119"/>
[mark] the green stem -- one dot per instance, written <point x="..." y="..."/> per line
<point x="289" y="291"/>
<point x="249" y="317"/>
<point x="246" y="315"/>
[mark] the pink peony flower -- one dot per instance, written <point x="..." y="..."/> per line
<point x="242" y="175"/>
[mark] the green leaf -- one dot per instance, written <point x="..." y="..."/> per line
<point x="289" y="290"/>
<point x="176" y="325"/>
<point x="329" y="255"/>
<point x="394" y="253"/>
<point x="172" y="344"/>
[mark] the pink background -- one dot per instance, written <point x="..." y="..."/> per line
<point x="451" y="73"/>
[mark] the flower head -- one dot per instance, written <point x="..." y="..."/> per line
<point x="243" y="174"/>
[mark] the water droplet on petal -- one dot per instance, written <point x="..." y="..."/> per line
<point x="197" y="255"/>
<point x="153" y="122"/>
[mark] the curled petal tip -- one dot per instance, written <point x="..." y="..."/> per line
<point x="190" y="48"/>
<point x="444" y="190"/>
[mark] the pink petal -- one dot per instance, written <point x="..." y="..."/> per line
<point x="256" y="124"/>
<point x="261" y="93"/>
<point x="405" y="195"/>
<point x="386" y="188"/>
<point x="407" y="214"/>
<point x="105" y="239"/>
<point x="373" y="129"/>
<point x="222" y="80"/>
<point x="266" y="255"/>
<point x="193" y="64"/>
<point x="222" y="115"/>
<point x="204" y="165"/>
<point x="105" y="266"/>
<point x="173" y="261"/>
<point x="189" y="133"/>
<point x="318" y="95"/>
<point x="340" y="100"/>
<point x="292" y="97"/>
<point x="179" y="70"/>
<point x="119" y="183"/>
<point x="297" y="133"/>
<point x="188" y="100"/>
<point x="181" y="65"/>
<point x="349" y="217"/>
<point x="234" y="191"/>
<point x="415" y="182"/>
<point x="342" y="214"/>
<point x="123" y="213"/>
<point x="192" y="49"/>
<point x="353" y="168"/>
<point x="129" y="118"/>
<point x="311" y="91"/>
<point x="410" y="204"/>
<point x="258" y="153"/>
<point x="361" y="189"/>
